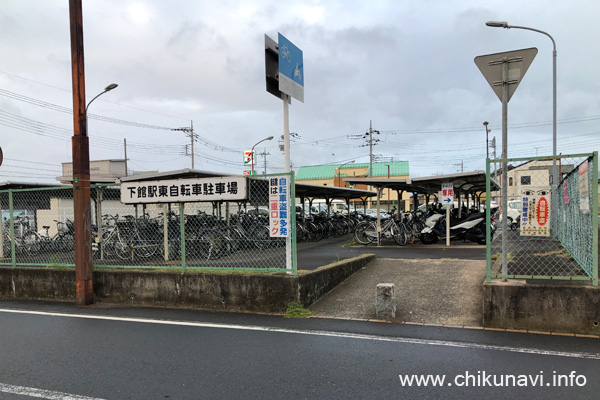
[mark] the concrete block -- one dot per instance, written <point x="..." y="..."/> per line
<point x="385" y="304"/>
<point x="541" y="307"/>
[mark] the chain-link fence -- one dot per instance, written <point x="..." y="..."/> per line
<point x="37" y="229"/>
<point x="551" y="231"/>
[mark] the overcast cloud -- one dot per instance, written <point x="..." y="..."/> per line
<point x="406" y="65"/>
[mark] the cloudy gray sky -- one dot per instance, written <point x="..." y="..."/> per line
<point x="407" y="66"/>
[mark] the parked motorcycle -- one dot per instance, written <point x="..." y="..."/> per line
<point x="515" y="224"/>
<point x="471" y="228"/>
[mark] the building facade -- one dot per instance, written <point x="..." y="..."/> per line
<point x="333" y="175"/>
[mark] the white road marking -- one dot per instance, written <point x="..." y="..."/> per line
<point x="41" y="394"/>
<point x="344" y="335"/>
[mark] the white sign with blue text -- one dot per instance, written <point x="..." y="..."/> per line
<point x="291" y="69"/>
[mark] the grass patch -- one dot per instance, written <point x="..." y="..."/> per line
<point x="296" y="310"/>
<point x="189" y="270"/>
<point x="54" y="263"/>
<point x="563" y="253"/>
<point x="351" y="242"/>
<point x="498" y="256"/>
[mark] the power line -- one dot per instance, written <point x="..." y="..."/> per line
<point x="103" y="100"/>
<point x="67" y="110"/>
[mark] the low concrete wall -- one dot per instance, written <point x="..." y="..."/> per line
<point x="557" y="307"/>
<point x="234" y="291"/>
<point x="315" y="284"/>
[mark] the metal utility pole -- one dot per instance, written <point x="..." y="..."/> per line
<point x="191" y="135"/>
<point x="461" y="166"/>
<point x="487" y="140"/>
<point x="370" y="149"/>
<point x="125" y="148"/>
<point x="189" y="132"/>
<point x="81" y="163"/>
<point x="370" y="135"/>
<point x="495" y="169"/>
<point x="264" y="154"/>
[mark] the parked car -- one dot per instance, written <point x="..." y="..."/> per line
<point x="373" y="213"/>
<point x="513" y="211"/>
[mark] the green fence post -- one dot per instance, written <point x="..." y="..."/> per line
<point x="594" y="213"/>
<point x="488" y="221"/>
<point x="293" y="223"/>
<point x="182" y="235"/>
<point x="12" y="228"/>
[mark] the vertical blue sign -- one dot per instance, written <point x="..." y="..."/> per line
<point x="291" y="69"/>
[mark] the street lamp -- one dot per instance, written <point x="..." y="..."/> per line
<point x="99" y="215"/>
<point x="252" y="153"/>
<point x="106" y="89"/>
<point x="487" y="141"/>
<point x="504" y="24"/>
<point x="340" y="171"/>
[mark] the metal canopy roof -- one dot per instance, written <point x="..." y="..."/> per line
<point x="474" y="180"/>
<point x="177" y="174"/>
<point x="331" y="192"/>
<point x="384" y="183"/>
<point x="28" y="185"/>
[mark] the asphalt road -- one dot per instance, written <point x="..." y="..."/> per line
<point x="327" y="251"/>
<point x="123" y="353"/>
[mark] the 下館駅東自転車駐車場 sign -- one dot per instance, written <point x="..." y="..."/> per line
<point x="184" y="190"/>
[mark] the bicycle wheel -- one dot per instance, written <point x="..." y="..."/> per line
<point x="68" y="242"/>
<point x="261" y="237"/>
<point x="299" y="233"/>
<point x="123" y="250"/>
<point x="212" y="245"/>
<point x="146" y="248"/>
<point x="31" y="243"/>
<point x="399" y="234"/>
<point x="364" y="232"/>
<point x="318" y="231"/>
<point x="235" y="238"/>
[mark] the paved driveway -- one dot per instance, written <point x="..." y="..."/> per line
<point x="314" y="255"/>
<point x="430" y="291"/>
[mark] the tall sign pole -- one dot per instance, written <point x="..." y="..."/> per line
<point x="284" y="67"/>
<point x="81" y="163"/>
<point x="286" y="131"/>
<point x="504" y="72"/>
<point x="505" y="84"/>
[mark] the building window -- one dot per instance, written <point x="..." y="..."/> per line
<point x="526" y="180"/>
<point x="509" y="181"/>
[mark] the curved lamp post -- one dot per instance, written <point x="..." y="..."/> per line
<point x="340" y="170"/>
<point x="487" y="140"/>
<point x="252" y="152"/>
<point x="504" y="24"/>
<point x="81" y="196"/>
<point x="106" y="89"/>
<point x="99" y="220"/>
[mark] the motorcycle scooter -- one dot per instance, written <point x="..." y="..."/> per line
<point x="471" y="228"/>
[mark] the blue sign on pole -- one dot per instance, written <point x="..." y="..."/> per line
<point x="291" y="69"/>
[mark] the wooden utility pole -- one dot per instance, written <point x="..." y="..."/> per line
<point x="81" y="163"/>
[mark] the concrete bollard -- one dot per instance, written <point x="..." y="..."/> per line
<point x="385" y="304"/>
